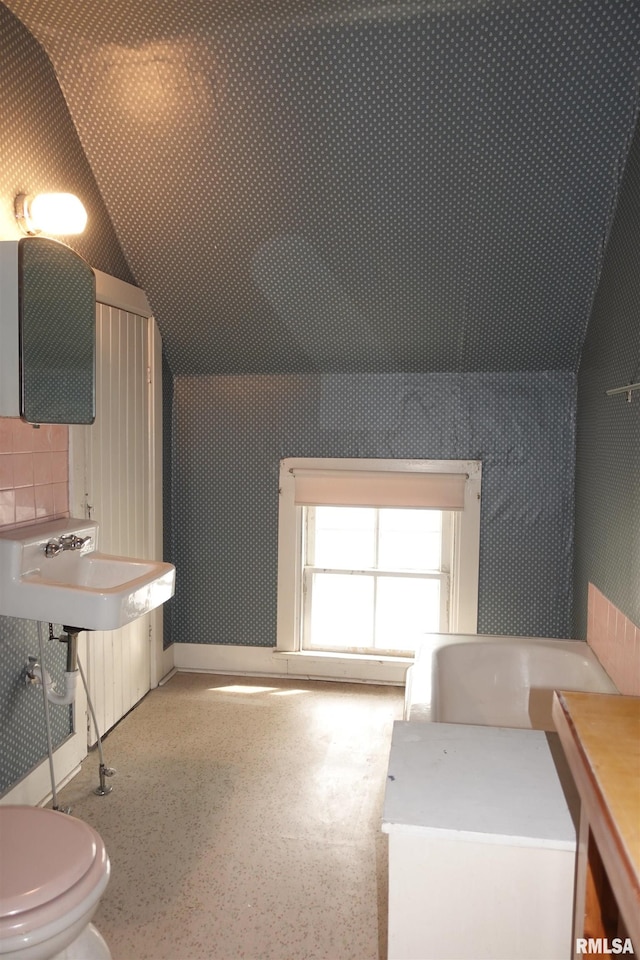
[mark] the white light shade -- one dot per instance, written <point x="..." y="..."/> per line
<point x="53" y="213"/>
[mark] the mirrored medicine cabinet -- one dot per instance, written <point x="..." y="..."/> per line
<point x="47" y="332"/>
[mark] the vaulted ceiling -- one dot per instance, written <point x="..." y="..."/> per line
<point x="345" y="185"/>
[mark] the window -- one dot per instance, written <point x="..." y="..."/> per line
<point x="374" y="579"/>
<point x="372" y="554"/>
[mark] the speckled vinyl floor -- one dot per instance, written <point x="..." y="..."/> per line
<point x="244" y="821"/>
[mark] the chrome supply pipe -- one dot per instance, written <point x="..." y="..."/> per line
<point x="36" y="674"/>
<point x="54" y="793"/>
<point x="103" y="771"/>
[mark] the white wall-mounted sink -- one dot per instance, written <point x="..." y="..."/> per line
<point x="77" y="587"/>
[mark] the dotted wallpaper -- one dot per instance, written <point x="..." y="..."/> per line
<point x="167" y="487"/>
<point x="343" y="186"/>
<point x="607" y="541"/>
<point x="230" y="434"/>
<point x="40" y="151"/>
<point x="365" y="230"/>
<point x="23" y="737"/>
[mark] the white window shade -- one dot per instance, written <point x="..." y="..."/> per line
<point x="345" y="488"/>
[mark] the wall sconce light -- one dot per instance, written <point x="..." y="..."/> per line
<point x="51" y="213"/>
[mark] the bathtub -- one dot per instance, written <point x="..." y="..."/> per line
<point x="458" y="888"/>
<point x="498" y="681"/>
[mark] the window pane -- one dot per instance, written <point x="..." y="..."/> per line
<point x="341" y="612"/>
<point x="345" y="538"/>
<point x="410" y="539"/>
<point x="406" y="609"/>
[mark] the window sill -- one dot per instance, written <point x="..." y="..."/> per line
<point x="339" y="655"/>
<point x="357" y="667"/>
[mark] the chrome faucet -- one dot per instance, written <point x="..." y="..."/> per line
<point x="68" y="541"/>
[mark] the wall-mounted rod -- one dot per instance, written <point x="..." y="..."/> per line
<point x="628" y="390"/>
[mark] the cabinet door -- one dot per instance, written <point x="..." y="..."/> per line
<point x="117" y="484"/>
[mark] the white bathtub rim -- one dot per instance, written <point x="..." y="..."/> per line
<point x="419" y="698"/>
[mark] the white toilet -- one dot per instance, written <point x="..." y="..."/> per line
<point x="53" y="871"/>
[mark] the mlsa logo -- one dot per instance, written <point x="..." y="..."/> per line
<point x="603" y="946"/>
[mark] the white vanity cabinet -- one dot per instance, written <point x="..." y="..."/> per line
<point x="482" y="844"/>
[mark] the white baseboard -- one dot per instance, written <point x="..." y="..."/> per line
<point x="266" y="661"/>
<point x="35" y="789"/>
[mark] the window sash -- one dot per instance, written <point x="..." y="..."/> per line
<point x="309" y="569"/>
<point x="372" y="648"/>
<point x="381" y="572"/>
<point x="309" y="536"/>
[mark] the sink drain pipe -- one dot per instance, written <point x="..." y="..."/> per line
<point x="38" y="675"/>
<point x="36" y="672"/>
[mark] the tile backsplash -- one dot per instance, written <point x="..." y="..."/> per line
<point x="615" y="640"/>
<point x="34" y="471"/>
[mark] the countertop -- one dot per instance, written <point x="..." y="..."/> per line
<point x="600" y="734"/>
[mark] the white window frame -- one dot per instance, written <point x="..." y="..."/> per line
<point x="463" y="612"/>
